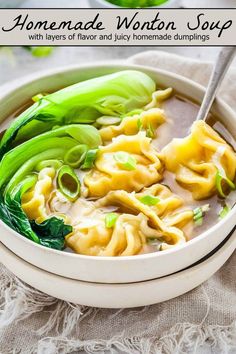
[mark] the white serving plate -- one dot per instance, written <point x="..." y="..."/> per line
<point x="112" y="269"/>
<point x="118" y="295"/>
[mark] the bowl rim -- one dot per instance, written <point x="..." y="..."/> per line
<point x="117" y="66"/>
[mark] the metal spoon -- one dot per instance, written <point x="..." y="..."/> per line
<point x="222" y="64"/>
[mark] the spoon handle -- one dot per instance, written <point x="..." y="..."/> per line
<point x="220" y="68"/>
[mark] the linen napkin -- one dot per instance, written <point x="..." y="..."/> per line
<point x="201" y="321"/>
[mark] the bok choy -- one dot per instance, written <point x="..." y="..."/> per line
<point x="51" y="145"/>
<point x="110" y="95"/>
<point x="25" y="161"/>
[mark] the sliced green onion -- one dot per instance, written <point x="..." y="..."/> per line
<point x="125" y="160"/>
<point x="56" y="164"/>
<point x="108" y="120"/>
<point x="89" y="159"/>
<point x="153" y="241"/>
<point x="139" y="124"/>
<point x="224" y="211"/>
<point x="110" y="220"/>
<point x="219" y="180"/>
<point x="134" y="112"/>
<point x="160" y="248"/>
<point x="68" y="183"/>
<point x="199" y="213"/>
<point x="198" y="216"/>
<point x="150" y="131"/>
<point x="76" y="156"/>
<point x="40" y="51"/>
<point x="38" y="97"/>
<point x="149" y="200"/>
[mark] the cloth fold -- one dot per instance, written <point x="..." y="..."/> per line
<point x="201" y="321"/>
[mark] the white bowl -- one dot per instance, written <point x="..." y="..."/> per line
<point x="118" y="295"/>
<point x="112" y="269"/>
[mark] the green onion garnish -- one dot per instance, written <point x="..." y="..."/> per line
<point x="139" y="124"/>
<point x="40" y="51"/>
<point x="110" y="220"/>
<point x="224" y="211"/>
<point x="219" y="180"/>
<point x="76" y="155"/>
<point x="125" y="160"/>
<point x="199" y="213"/>
<point x="38" y="97"/>
<point x="149" y="200"/>
<point x="56" y="164"/>
<point x="153" y="241"/>
<point x="133" y="113"/>
<point x="68" y="183"/>
<point x="150" y="131"/>
<point x="89" y="159"/>
<point x="160" y="248"/>
<point x="108" y="120"/>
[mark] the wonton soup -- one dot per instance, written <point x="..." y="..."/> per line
<point x="114" y="166"/>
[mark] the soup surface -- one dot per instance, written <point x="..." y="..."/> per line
<point x="116" y="184"/>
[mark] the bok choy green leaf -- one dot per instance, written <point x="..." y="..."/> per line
<point x="109" y="95"/>
<point x="52" y="232"/>
<point x="51" y="145"/>
<point x="25" y="160"/>
<point x="12" y="213"/>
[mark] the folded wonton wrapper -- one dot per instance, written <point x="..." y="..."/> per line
<point x="195" y="160"/>
<point x="107" y="175"/>
<point x="136" y="223"/>
<point x="125" y="239"/>
<point x="34" y="201"/>
<point x="132" y="125"/>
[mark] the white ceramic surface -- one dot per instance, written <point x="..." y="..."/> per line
<point x="112" y="269"/>
<point x="117" y="295"/>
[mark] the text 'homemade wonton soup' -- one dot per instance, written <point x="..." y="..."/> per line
<point x="114" y="166"/>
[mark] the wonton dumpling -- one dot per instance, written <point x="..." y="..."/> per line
<point x="131" y="125"/>
<point x="136" y="222"/>
<point x="169" y="201"/>
<point x="129" y="203"/>
<point x="159" y="96"/>
<point x="168" y="206"/>
<point x="108" y="175"/>
<point x="125" y="239"/>
<point x="196" y="159"/>
<point x="34" y="201"/>
<point x="92" y="237"/>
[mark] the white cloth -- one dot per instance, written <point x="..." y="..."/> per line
<point x="201" y="321"/>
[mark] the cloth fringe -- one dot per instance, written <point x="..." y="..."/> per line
<point x="183" y="338"/>
<point x="19" y="301"/>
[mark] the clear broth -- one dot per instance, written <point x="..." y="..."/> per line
<point x="180" y="113"/>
